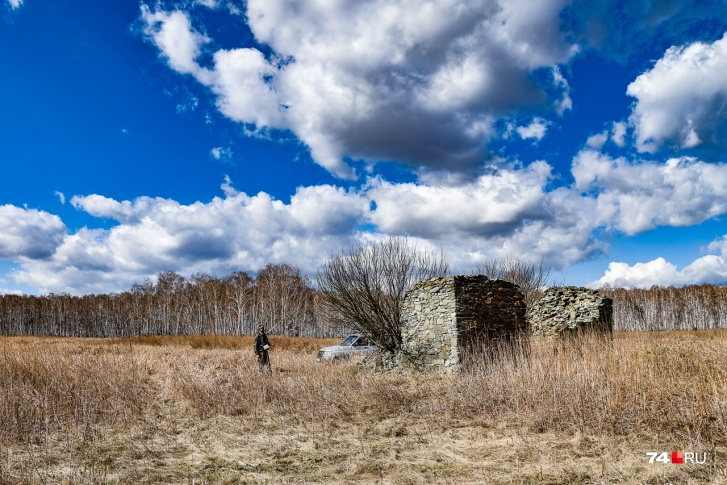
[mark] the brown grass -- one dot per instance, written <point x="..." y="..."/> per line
<point x="177" y="409"/>
<point x="298" y="345"/>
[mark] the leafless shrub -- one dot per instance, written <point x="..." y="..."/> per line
<point x="364" y="287"/>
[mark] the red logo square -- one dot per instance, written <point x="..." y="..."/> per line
<point x="677" y="457"/>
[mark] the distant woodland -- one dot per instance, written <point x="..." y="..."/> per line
<point x="278" y="297"/>
<point x="287" y="304"/>
<point x="695" y="307"/>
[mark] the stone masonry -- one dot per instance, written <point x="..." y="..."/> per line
<point x="444" y="317"/>
<point x="570" y="310"/>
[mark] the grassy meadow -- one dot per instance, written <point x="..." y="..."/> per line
<point x="197" y="410"/>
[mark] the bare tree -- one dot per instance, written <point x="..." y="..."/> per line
<point x="364" y="287"/>
<point x="531" y="278"/>
<point x="284" y="295"/>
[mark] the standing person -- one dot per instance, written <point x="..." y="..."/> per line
<point x="262" y="345"/>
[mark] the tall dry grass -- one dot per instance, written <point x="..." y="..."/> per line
<point x="666" y="383"/>
<point x="67" y="387"/>
<point x="212" y="341"/>
<point x="670" y="385"/>
<point x="51" y="385"/>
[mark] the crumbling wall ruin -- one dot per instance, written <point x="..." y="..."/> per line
<point x="570" y="310"/>
<point x="444" y="318"/>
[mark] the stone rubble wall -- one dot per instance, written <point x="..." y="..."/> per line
<point x="429" y="325"/>
<point x="443" y="318"/>
<point x="488" y="310"/>
<point x="569" y="310"/>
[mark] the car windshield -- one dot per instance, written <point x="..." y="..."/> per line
<point x="349" y="340"/>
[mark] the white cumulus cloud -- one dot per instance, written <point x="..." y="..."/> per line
<point x="618" y="134"/>
<point x="480" y="207"/>
<point x="415" y="81"/>
<point x="209" y="3"/>
<point x="598" y="140"/>
<point x="221" y="153"/>
<point x="180" y="44"/>
<point x="682" y="100"/>
<point x="535" y="130"/>
<point x="659" y="272"/>
<point x="27" y="234"/>
<point x="504" y="213"/>
<point x="634" y="197"/>
<point x="155" y="234"/>
<point x="509" y="211"/>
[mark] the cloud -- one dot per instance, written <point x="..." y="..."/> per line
<point x="641" y="275"/>
<point x="124" y="212"/>
<point x="682" y="100"/>
<point x="718" y="245"/>
<point x="180" y="44"/>
<point x="634" y="197"/>
<point x="509" y="212"/>
<point x="189" y="104"/>
<point x="14" y="4"/>
<point x="221" y="153"/>
<point x="28" y="234"/>
<point x="597" y="141"/>
<point x="618" y="134"/>
<point x="482" y="207"/>
<point x="708" y="269"/>
<point x="223" y="235"/>
<point x="535" y="130"/>
<point x="411" y="81"/>
<point x="209" y="3"/>
<point x="243" y="83"/>
<point x="565" y="102"/>
<point x="61" y="196"/>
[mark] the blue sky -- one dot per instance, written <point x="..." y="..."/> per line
<point x="214" y="136"/>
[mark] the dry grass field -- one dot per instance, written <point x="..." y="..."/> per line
<point x="197" y="410"/>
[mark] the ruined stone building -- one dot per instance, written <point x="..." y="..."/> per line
<point x="569" y="310"/>
<point x="444" y="318"/>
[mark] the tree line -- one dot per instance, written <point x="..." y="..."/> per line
<point x="285" y="301"/>
<point x="278" y="297"/>
<point x="696" y="307"/>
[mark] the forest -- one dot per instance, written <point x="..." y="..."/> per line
<point x="287" y="303"/>
<point x="278" y="297"/>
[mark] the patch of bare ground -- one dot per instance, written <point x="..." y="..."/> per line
<point x="197" y="410"/>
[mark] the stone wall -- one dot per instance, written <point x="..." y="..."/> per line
<point x="570" y="310"/>
<point x="443" y="318"/>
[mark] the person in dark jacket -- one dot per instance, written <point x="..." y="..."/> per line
<point x="262" y="345"/>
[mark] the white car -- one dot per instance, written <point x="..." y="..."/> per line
<point x="354" y="344"/>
